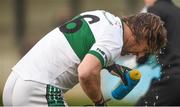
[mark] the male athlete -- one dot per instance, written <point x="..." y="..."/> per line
<point x="76" y="52"/>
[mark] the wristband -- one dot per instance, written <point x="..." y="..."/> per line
<point x="101" y="102"/>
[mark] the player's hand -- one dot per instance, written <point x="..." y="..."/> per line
<point x="119" y="70"/>
<point x="104" y="103"/>
<point x="101" y="102"/>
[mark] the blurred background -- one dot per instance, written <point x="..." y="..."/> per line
<point x="24" y="22"/>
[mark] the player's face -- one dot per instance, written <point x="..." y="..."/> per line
<point x="135" y="48"/>
<point x="131" y="46"/>
<point x="140" y="50"/>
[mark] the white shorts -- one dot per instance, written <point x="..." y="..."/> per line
<point x="19" y="92"/>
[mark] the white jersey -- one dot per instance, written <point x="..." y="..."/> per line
<point x="55" y="58"/>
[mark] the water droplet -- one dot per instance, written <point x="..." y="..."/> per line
<point x="154" y="104"/>
<point x="157" y="97"/>
<point x="168" y="77"/>
<point x="146" y="102"/>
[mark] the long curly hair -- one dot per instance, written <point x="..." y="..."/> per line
<point x="147" y="26"/>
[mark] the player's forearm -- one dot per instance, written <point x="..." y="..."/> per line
<point x="89" y="78"/>
<point x="91" y="85"/>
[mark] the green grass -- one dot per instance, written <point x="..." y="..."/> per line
<point x="1" y="100"/>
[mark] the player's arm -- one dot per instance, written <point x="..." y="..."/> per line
<point x="89" y="78"/>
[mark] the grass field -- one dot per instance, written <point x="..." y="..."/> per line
<point x="0" y="100"/>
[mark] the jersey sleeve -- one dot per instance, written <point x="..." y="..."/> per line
<point x="108" y="33"/>
<point x="108" y="47"/>
<point x="106" y="52"/>
<point x="101" y="53"/>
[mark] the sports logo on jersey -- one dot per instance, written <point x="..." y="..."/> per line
<point x="102" y="54"/>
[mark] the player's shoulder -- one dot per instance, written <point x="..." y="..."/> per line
<point x="105" y="17"/>
<point x="106" y="28"/>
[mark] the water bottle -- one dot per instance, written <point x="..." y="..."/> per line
<point x="132" y="78"/>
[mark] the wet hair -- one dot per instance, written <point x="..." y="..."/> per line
<point x="149" y="27"/>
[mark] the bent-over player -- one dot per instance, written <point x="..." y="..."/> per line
<point x="76" y="52"/>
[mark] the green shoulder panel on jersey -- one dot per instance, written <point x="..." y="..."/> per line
<point x="80" y="36"/>
<point x="82" y="39"/>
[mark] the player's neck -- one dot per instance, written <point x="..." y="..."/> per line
<point x="127" y="34"/>
<point x="127" y="39"/>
